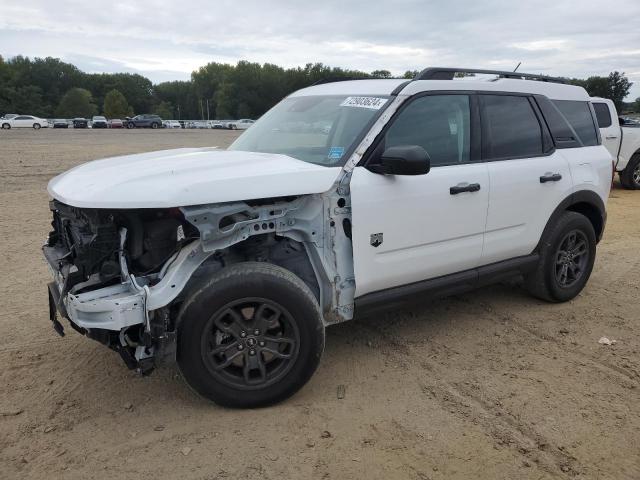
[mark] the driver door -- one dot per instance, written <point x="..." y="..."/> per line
<point x="412" y="228"/>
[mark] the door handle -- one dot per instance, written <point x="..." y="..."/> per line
<point x="550" y="177"/>
<point x="611" y="137"/>
<point x="464" y="187"/>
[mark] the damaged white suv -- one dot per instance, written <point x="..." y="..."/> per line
<point x="345" y="198"/>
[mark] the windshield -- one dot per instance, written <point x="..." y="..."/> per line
<point x="319" y="129"/>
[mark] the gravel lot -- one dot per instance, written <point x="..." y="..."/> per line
<point x="487" y="385"/>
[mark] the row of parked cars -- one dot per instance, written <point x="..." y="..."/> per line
<point x="14" y="120"/>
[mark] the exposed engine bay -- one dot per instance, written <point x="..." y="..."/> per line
<point x="94" y="250"/>
<point x="120" y="275"/>
<point x="90" y="240"/>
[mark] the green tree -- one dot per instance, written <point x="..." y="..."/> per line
<point x="381" y="74"/>
<point x="636" y="105"/>
<point x="27" y="100"/>
<point x="77" y="102"/>
<point x="619" y="86"/>
<point x="615" y="86"/>
<point x="164" y="110"/>
<point x="115" y="105"/>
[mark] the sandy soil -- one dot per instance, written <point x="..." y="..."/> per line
<point x="487" y="385"/>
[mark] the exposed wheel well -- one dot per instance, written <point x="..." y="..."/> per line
<point x="592" y="213"/>
<point x="268" y="248"/>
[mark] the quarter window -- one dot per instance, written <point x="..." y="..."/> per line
<point x="603" y="115"/>
<point x="438" y="123"/>
<point x="578" y="114"/>
<point x="511" y="128"/>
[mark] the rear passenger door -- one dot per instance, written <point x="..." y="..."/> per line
<point x="528" y="177"/>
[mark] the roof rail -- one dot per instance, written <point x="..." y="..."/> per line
<point x="437" y="73"/>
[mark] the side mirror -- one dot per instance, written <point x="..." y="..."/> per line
<point x="403" y="160"/>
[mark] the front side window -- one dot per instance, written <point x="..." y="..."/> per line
<point x="511" y="126"/>
<point x="602" y="115"/>
<point x="578" y="115"/>
<point x="320" y="129"/>
<point x="438" y="123"/>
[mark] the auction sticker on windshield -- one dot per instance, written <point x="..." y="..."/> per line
<point x="373" y="103"/>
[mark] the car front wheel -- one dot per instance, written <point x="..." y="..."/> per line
<point x="6" y="126"/>
<point x="154" y="125"/>
<point x="130" y="125"/>
<point x="251" y="336"/>
<point x="567" y="254"/>
<point x="36" y="126"/>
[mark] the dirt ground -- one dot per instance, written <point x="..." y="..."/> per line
<point x="488" y="385"/>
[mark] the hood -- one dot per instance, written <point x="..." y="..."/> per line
<point x="188" y="176"/>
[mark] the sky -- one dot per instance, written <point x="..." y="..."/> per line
<point x="168" y="40"/>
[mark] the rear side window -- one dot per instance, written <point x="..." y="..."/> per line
<point x="511" y="128"/>
<point x="578" y="114"/>
<point x="603" y="115"/>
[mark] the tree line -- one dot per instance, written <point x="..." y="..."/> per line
<point x="49" y="87"/>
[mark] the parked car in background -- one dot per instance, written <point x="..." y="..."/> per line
<point x="99" y="122"/>
<point x="144" y="121"/>
<point x="116" y="123"/>
<point x="242" y="124"/>
<point x="171" y="124"/>
<point x="217" y="124"/>
<point x="60" y="123"/>
<point x="24" y="121"/>
<point x="80" y="123"/>
<point x="622" y="139"/>
<point x="8" y="116"/>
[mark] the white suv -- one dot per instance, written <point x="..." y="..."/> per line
<point x="234" y="262"/>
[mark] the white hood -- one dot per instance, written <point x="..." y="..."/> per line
<point x="187" y="176"/>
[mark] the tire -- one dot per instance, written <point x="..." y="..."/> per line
<point x="232" y="322"/>
<point x="560" y="261"/>
<point x="154" y="125"/>
<point x="630" y="176"/>
<point x="36" y="126"/>
<point x="6" y="126"/>
<point x="130" y="126"/>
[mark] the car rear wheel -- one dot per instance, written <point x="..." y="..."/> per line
<point x="251" y="336"/>
<point x="630" y="176"/>
<point x="36" y="126"/>
<point x="154" y="125"/>
<point x="567" y="254"/>
<point x="6" y="126"/>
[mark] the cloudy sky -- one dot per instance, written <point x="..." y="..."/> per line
<point x="167" y="40"/>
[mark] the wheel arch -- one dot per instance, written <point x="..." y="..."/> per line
<point x="584" y="202"/>
<point x="283" y="252"/>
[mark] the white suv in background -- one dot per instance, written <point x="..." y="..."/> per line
<point x="234" y="262"/>
<point x="622" y="141"/>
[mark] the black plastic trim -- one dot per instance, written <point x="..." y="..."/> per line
<point x="446" y="285"/>
<point x="448" y="73"/>
<point x="582" y="196"/>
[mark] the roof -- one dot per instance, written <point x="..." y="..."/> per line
<point x="353" y="87"/>
<point x="554" y="91"/>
